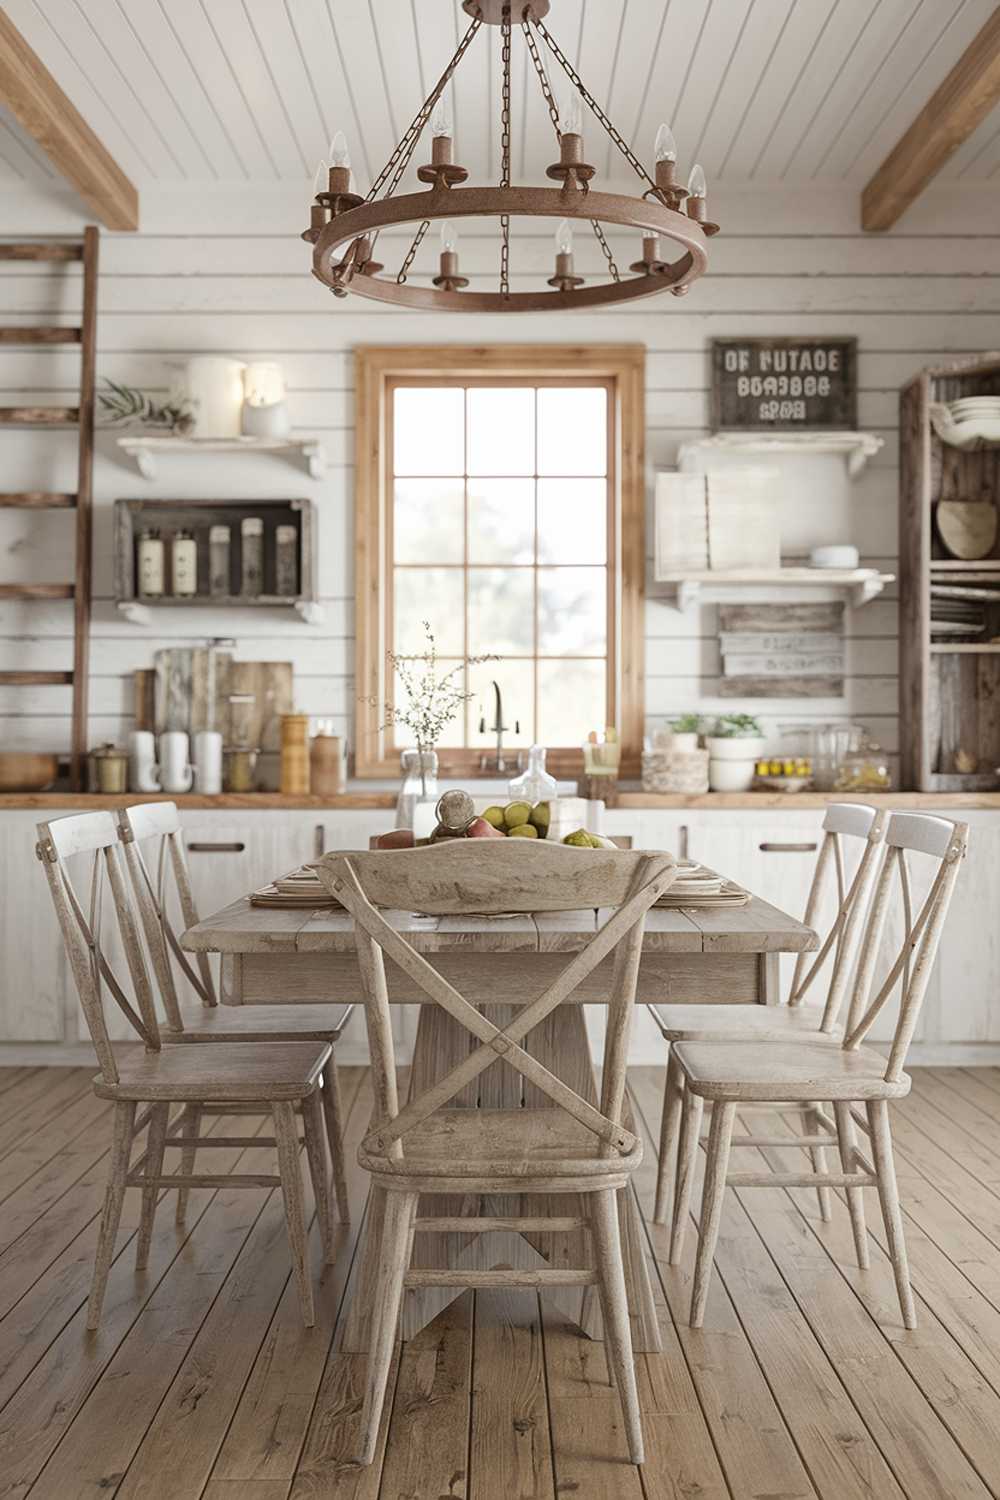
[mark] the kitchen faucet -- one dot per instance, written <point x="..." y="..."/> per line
<point x="499" y="728"/>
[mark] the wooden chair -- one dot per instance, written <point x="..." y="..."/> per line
<point x="275" y="1079"/>
<point x="158" y="824"/>
<point x="843" y="824"/>
<point x="569" y="1147"/>
<point x="734" y="1074"/>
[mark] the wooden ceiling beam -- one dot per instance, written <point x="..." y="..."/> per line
<point x="43" y="110"/>
<point x="949" y="117"/>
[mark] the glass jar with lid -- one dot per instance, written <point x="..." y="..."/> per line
<point x="864" y="766"/>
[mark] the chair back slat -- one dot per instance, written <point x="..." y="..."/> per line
<point x="82" y="929"/>
<point x="946" y="843"/>
<point x="445" y="878"/>
<point x="842" y="821"/>
<point x="155" y="827"/>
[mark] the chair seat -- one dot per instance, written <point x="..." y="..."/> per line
<point x="737" y="1023"/>
<point x="802" y="1070"/>
<point x="502" y="1145"/>
<point x="257" y="1023"/>
<point x="246" y="1074"/>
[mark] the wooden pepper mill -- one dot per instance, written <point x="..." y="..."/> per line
<point x="326" y="764"/>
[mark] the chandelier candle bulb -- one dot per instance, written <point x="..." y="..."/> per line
<point x="571" y="116"/>
<point x="448" y="277"/>
<point x="665" y="147"/>
<point x="696" y="204"/>
<point x="665" y="153"/>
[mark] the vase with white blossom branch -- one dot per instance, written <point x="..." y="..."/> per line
<point x="429" y="701"/>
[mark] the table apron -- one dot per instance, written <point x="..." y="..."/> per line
<point x="509" y="978"/>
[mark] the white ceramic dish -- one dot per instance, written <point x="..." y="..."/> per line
<point x="834" y="556"/>
<point x="731" y="775"/>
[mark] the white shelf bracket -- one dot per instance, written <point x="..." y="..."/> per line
<point x="310" y="612"/>
<point x="135" y="613"/>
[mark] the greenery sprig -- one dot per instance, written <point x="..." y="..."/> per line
<point x="123" y="404"/>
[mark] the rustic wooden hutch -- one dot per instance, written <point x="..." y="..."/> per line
<point x="949" y="626"/>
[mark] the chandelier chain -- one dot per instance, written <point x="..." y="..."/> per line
<point x="414" y="247"/>
<point x="505" y="153"/>
<point x="595" y="224"/>
<point x="543" y="77"/>
<point x="588" y="98"/>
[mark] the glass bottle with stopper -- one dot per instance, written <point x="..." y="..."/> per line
<point x="535" y="784"/>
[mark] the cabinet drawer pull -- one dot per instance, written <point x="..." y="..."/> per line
<point x="216" y="848"/>
<point x="788" y="848"/>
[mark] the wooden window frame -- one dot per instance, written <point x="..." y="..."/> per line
<point x="377" y="369"/>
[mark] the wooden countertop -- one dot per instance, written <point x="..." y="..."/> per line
<point x="248" y="801"/>
<point x="382" y="801"/>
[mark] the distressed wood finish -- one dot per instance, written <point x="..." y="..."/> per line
<point x="42" y="108"/>
<point x="277" y="1077"/>
<point x="949" y="117"/>
<point x="425" y="1146"/>
<point x="737" y="1074"/>
<point x="157" y="826"/>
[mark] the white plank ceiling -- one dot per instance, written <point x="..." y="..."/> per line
<point x="758" y="90"/>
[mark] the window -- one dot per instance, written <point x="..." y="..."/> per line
<point x="494" y="505"/>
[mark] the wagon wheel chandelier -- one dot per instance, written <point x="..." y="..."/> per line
<point x="663" y="210"/>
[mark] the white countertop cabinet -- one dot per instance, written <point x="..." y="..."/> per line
<point x="235" y="850"/>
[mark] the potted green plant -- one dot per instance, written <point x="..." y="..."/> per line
<point x="685" y="730"/>
<point x="734" y="746"/>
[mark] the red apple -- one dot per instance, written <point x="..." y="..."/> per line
<point x="480" y="829"/>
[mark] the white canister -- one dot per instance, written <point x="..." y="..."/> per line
<point x="208" y="762"/>
<point x="143" y="774"/>
<point x="214" y="385"/>
<point x="176" y="774"/>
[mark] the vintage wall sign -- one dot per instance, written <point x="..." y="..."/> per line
<point x="784" y="384"/>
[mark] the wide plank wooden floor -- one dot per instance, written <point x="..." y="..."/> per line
<point x="202" y="1384"/>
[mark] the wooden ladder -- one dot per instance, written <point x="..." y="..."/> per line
<point x="80" y="416"/>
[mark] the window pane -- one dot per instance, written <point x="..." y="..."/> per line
<point x="571" y="701"/>
<point x="502" y="520"/>
<point x="572" y="611"/>
<point x="572" y="430"/>
<point x="453" y="733"/>
<point x="502" y="430"/>
<point x="428" y="430"/>
<point x="516" y="682"/>
<point x="572" y="520"/>
<point x="429" y="520"/>
<point x="433" y="594"/>
<point x="501" y="611"/>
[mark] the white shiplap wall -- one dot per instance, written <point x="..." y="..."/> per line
<point x="225" y="273"/>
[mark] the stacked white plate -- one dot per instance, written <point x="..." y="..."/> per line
<point x="972" y="418"/>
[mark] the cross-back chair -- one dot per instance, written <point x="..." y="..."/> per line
<point x="429" y="1146"/>
<point x="844" y="824"/>
<point x="845" y="1077"/>
<point x="157" y="863"/>
<point x="276" y="1079"/>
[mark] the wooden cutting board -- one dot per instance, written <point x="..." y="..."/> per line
<point x="190" y="688"/>
<point x="968" y="528"/>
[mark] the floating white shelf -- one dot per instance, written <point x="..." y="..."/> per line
<point x="857" y="447"/>
<point x="859" y="584"/>
<point x="139" y="612"/>
<point x="147" y="450"/>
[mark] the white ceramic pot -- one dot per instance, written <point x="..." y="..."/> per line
<point x="176" y="774"/>
<point x="731" y="775"/>
<point x="143" y="772"/>
<point x="683" y="744"/>
<point x="733" y="748"/>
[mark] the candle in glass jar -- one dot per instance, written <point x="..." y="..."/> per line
<point x="252" y="532"/>
<point x="151" y="560"/>
<point x="184" y="564"/>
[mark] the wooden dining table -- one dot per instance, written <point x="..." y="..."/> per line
<point x="728" y="956"/>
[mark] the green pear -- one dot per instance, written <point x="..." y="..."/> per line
<point x="517" y="813"/>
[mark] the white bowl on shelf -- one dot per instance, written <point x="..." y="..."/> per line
<point x="731" y="775"/>
<point x="835" y="555"/>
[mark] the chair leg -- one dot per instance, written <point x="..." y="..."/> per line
<point x="190" y="1129"/>
<point x="888" y="1193"/>
<point x="312" y="1123"/>
<point x="847" y="1138"/>
<point x="393" y="1258"/>
<point x="121" y="1151"/>
<point x="687" y="1158"/>
<point x="335" y="1135"/>
<point x="617" y="1333"/>
<point x="817" y="1155"/>
<point x="673" y="1102"/>
<point x="287" y="1137"/>
<point x="723" y="1115"/>
<point x="156" y="1137"/>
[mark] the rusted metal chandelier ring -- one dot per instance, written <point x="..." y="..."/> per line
<point x="648" y="216"/>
